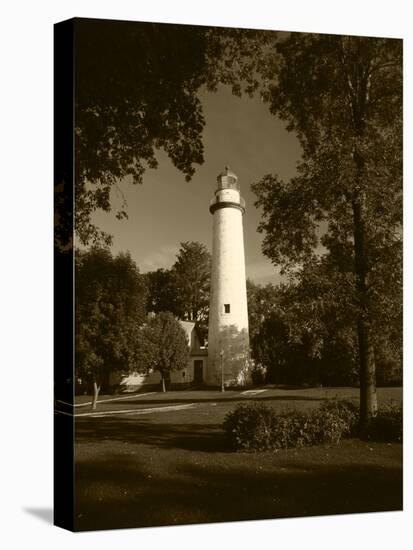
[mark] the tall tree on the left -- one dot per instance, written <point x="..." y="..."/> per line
<point x="110" y="307"/>
<point x="136" y="86"/>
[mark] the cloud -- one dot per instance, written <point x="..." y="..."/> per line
<point x="164" y="257"/>
<point x="263" y="272"/>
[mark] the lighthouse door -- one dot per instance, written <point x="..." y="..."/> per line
<point x="198" y="374"/>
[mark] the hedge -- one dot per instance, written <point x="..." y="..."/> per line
<point x="257" y="427"/>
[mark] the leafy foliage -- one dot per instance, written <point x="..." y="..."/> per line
<point x="303" y="332"/>
<point x="387" y="425"/>
<point x="316" y="82"/>
<point x="136" y="87"/>
<point x="340" y="216"/>
<point x="257" y="427"/>
<point x="162" y="346"/>
<point x="191" y="275"/>
<point x="250" y="427"/>
<point x="344" y="410"/>
<point x="110" y="307"/>
<point x="298" y="336"/>
<point x="262" y="301"/>
<point x="184" y="289"/>
<point x="162" y="291"/>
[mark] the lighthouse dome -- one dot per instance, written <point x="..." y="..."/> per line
<point x="228" y="180"/>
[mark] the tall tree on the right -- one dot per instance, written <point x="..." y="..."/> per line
<point x="342" y="96"/>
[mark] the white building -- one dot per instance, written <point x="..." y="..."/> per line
<point x="192" y="375"/>
<point x="228" y="339"/>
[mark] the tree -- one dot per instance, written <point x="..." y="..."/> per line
<point x="162" y="292"/>
<point x="263" y="307"/>
<point x="319" y="316"/>
<point x="191" y="276"/>
<point x="342" y="96"/>
<point x="136" y="87"/>
<point x="162" y="346"/>
<point x="184" y="289"/>
<point x="110" y="307"/>
<point x="304" y="331"/>
<point x="286" y="335"/>
<point x="262" y="300"/>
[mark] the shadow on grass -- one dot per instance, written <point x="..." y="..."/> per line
<point x="120" y="491"/>
<point x="221" y="398"/>
<point x="191" y="437"/>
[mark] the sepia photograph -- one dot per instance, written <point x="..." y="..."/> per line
<point x="228" y="251"/>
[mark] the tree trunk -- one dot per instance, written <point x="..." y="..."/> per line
<point x="163" y="384"/>
<point x="368" y="394"/>
<point x="367" y="372"/>
<point x="96" y="389"/>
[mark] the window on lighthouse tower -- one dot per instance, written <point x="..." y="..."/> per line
<point x="227" y="308"/>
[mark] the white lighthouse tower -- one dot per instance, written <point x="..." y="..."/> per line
<point x="228" y="340"/>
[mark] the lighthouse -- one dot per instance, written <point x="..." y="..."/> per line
<point x="228" y="340"/>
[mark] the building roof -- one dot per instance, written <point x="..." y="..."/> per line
<point x="195" y="345"/>
<point x="188" y="327"/>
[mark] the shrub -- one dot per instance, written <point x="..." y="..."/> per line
<point x="250" y="426"/>
<point x="291" y="429"/>
<point x="386" y="426"/>
<point x="257" y="427"/>
<point x="345" y="412"/>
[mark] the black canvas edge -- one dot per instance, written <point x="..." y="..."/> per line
<point x="64" y="281"/>
<point x="63" y="427"/>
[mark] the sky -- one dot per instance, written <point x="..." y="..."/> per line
<point x="166" y="210"/>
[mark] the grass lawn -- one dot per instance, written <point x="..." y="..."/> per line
<point x="142" y="468"/>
